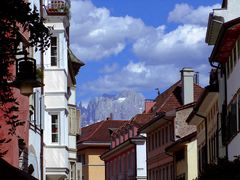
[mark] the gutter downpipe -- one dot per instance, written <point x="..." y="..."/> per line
<point x="42" y="93"/>
<point x="225" y="101"/>
<point x="223" y="69"/>
<point x="206" y="135"/>
<point x="217" y="138"/>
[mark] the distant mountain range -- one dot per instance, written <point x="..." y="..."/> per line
<point x="122" y="106"/>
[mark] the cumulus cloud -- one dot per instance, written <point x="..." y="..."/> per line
<point x="183" y="46"/>
<point x="186" y="14"/>
<point x="109" y="68"/>
<point x="160" y="54"/>
<point x="95" y="34"/>
<point x="136" y="76"/>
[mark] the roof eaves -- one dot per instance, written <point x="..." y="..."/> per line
<point x="220" y="38"/>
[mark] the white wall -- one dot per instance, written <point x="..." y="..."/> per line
<point x="56" y="157"/>
<point x="234" y="148"/>
<point x="192" y="160"/>
<point x="72" y="99"/>
<point x="141" y="160"/>
<point x="231" y="12"/>
<point x="233" y="83"/>
<point x="55" y="80"/>
<point x="34" y="153"/>
<point x="55" y="101"/>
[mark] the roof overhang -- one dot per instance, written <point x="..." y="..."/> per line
<point x="157" y="121"/>
<point x="89" y="144"/>
<point x="214" y="26"/>
<point x="203" y="106"/>
<point x="181" y="143"/>
<point x="118" y="149"/>
<point x="226" y="41"/>
<point x="76" y="62"/>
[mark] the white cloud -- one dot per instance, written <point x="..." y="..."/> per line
<point x="109" y="68"/>
<point x="183" y="46"/>
<point x="95" y="34"/>
<point x="136" y="76"/>
<point x="160" y="54"/>
<point x="186" y="14"/>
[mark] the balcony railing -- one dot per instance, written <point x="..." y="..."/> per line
<point x="58" y="7"/>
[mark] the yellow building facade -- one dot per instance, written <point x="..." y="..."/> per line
<point x="94" y="140"/>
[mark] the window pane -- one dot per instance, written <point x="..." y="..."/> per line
<point x="53" y="41"/>
<point x="53" y="61"/>
<point x="55" y="127"/>
<point x="54" y="51"/>
<point x="238" y="48"/>
<point x="239" y="109"/>
<point x="54" y="137"/>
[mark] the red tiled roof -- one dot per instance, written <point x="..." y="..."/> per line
<point x="171" y="98"/>
<point x="141" y="119"/>
<point x="99" y="132"/>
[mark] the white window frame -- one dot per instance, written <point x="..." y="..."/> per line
<point x="58" y="127"/>
<point x="57" y="53"/>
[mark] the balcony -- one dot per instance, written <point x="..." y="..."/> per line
<point x="58" y="7"/>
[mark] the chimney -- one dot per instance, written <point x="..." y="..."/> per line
<point x="187" y="76"/>
<point x="149" y="103"/>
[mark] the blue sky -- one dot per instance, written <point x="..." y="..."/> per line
<point x="138" y="44"/>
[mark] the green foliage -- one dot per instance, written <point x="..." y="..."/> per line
<point x="16" y="17"/>
<point x="224" y="170"/>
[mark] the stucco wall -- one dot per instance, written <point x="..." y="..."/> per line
<point x="192" y="160"/>
<point x="94" y="167"/>
<point x="141" y="160"/>
<point x="181" y="127"/>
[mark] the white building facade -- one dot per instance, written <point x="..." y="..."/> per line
<point x="223" y="32"/>
<point x="61" y="120"/>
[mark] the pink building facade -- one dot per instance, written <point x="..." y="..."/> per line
<point x="171" y="109"/>
<point x="122" y="161"/>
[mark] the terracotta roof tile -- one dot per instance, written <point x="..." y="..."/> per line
<point x="99" y="132"/>
<point x="141" y="119"/>
<point x="171" y="98"/>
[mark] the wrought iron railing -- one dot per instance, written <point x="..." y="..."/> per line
<point x="58" y="7"/>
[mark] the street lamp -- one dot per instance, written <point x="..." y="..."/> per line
<point x="26" y="75"/>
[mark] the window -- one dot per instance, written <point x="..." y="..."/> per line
<point x="81" y="158"/>
<point x="55" y="128"/>
<point x="156" y="140"/>
<point x="181" y="177"/>
<point x="120" y="164"/>
<point x="72" y="171"/>
<point x="235" y="55"/>
<point x="227" y="68"/>
<point x="232" y="119"/>
<point x="239" y="111"/>
<point x="153" y="142"/>
<point x="166" y="134"/>
<point x="238" y="48"/>
<point x="159" y="138"/>
<point x="180" y="155"/>
<point x="163" y="139"/>
<point x="54" y="51"/>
